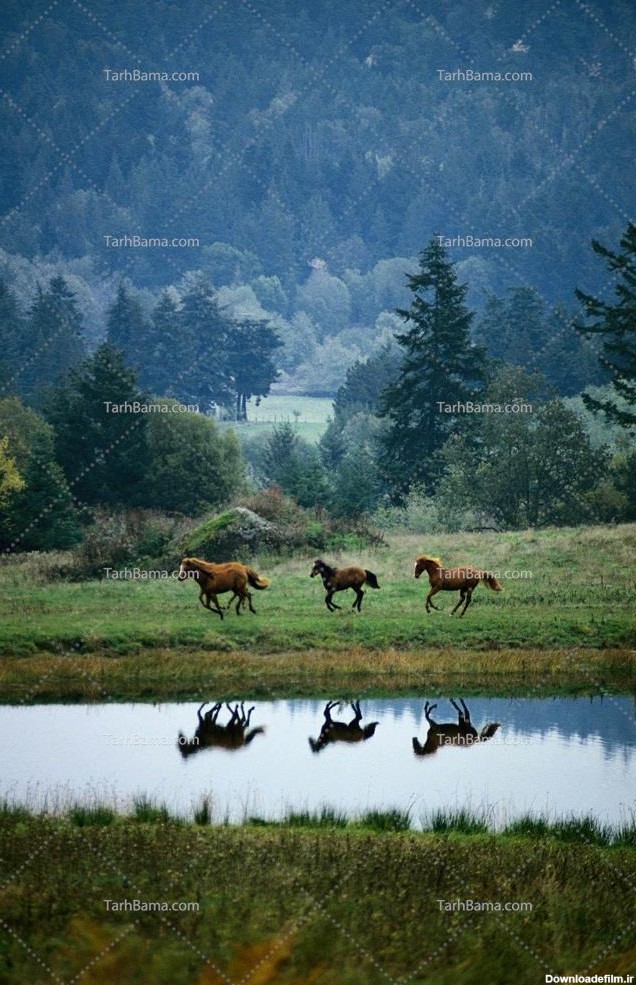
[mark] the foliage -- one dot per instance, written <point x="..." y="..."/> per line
<point x="143" y="538"/>
<point x="192" y="465"/>
<point x="616" y="326"/>
<point x="520" y="329"/>
<point x="39" y="514"/>
<point x="521" y="469"/>
<point x="56" y="906"/>
<point x="100" y="441"/>
<point x="52" y="343"/>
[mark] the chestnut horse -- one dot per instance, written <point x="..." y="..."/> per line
<point x="215" y="579"/>
<point x="443" y="579"/>
<point x="338" y="579"/>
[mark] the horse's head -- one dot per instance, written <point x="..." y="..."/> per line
<point x="425" y="563"/>
<point x="187" y="568"/>
<point x="317" y="569"/>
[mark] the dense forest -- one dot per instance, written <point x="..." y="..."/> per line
<point x="202" y="202"/>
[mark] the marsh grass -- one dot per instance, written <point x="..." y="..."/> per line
<point x="459" y="820"/>
<point x="302" y="904"/>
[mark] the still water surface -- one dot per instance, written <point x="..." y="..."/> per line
<point x="554" y="757"/>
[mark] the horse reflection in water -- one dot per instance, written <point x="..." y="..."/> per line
<point x="233" y="735"/>
<point x="441" y="734"/>
<point x="342" y="731"/>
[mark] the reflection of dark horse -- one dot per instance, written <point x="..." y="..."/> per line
<point x="337" y="579"/>
<point x="463" y="580"/>
<point x="214" y="579"/>
<point x="342" y="731"/>
<point x="208" y="732"/>
<point x="449" y="734"/>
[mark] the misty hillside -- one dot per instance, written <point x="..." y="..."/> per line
<point x="317" y="129"/>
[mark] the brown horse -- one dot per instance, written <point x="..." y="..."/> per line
<point x="208" y="733"/>
<point x="443" y="579"/>
<point x="338" y="579"/>
<point x="342" y="731"/>
<point x="215" y="579"/>
<point x="449" y="734"/>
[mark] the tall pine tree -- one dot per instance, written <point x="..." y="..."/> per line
<point x="100" y="440"/>
<point x="127" y="328"/>
<point x="53" y="340"/>
<point x="615" y="324"/>
<point x="440" y="366"/>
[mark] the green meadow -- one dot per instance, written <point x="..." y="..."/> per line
<point x="564" y="621"/>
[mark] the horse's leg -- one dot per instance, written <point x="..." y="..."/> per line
<point x="249" y="601"/>
<point x="469" y="595"/>
<point x="462" y="596"/>
<point x="357" y="602"/>
<point x="430" y="605"/>
<point x="328" y="601"/>
<point x="218" y="608"/>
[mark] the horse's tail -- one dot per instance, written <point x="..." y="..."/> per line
<point x="491" y="581"/>
<point x="255" y="579"/>
<point x="371" y="579"/>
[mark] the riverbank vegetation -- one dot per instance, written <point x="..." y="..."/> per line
<point x="330" y="903"/>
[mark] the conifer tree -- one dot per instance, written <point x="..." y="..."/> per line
<point x="100" y="438"/>
<point x="127" y="328"/>
<point x="53" y="340"/>
<point x="441" y="366"/>
<point x="615" y="325"/>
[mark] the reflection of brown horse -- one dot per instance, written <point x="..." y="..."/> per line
<point x="342" y="731"/>
<point x="449" y="734"/>
<point x="338" y="579"/>
<point x="215" y="579"/>
<point x="443" y="579"/>
<point x="232" y="735"/>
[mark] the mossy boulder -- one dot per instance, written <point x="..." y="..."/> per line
<point x="231" y="535"/>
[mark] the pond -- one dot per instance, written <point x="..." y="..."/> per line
<point x="553" y="757"/>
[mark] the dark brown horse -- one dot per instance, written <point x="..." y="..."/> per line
<point x="338" y="579"/>
<point x="443" y="579"/>
<point x="215" y="579"/>
<point x="342" y="731"/>
<point x="208" y="733"/>
<point x="449" y="734"/>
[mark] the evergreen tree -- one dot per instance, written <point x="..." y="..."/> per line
<point x="100" y="439"/>
<point x="11" y="338"/>
<point x="53" y="341"/>
<point x="127" y="327"/>
<point x="159" y="370"/>
<point x="440" y="366"/>
<point x="615" y="324"/>
<point x="40" y="515"/>
<point x="250" y="360"/>
<point x="202" y="375"/>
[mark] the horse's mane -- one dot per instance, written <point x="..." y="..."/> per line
<point x="435" y="560"/>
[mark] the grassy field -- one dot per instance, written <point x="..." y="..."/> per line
<point x="568" y="624"/>
<point x="294" y="905"/>
<point x="309" y="416"/>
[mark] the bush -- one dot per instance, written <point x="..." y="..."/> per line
<point x="140" y="537"/>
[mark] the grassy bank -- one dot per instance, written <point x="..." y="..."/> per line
<point x="292" y="904"/>
<point x="563" y="620"/>
<point x="167" y="674"/>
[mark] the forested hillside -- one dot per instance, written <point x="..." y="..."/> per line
<point x="415" y="211"/>
<point x="311" y="155"/>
